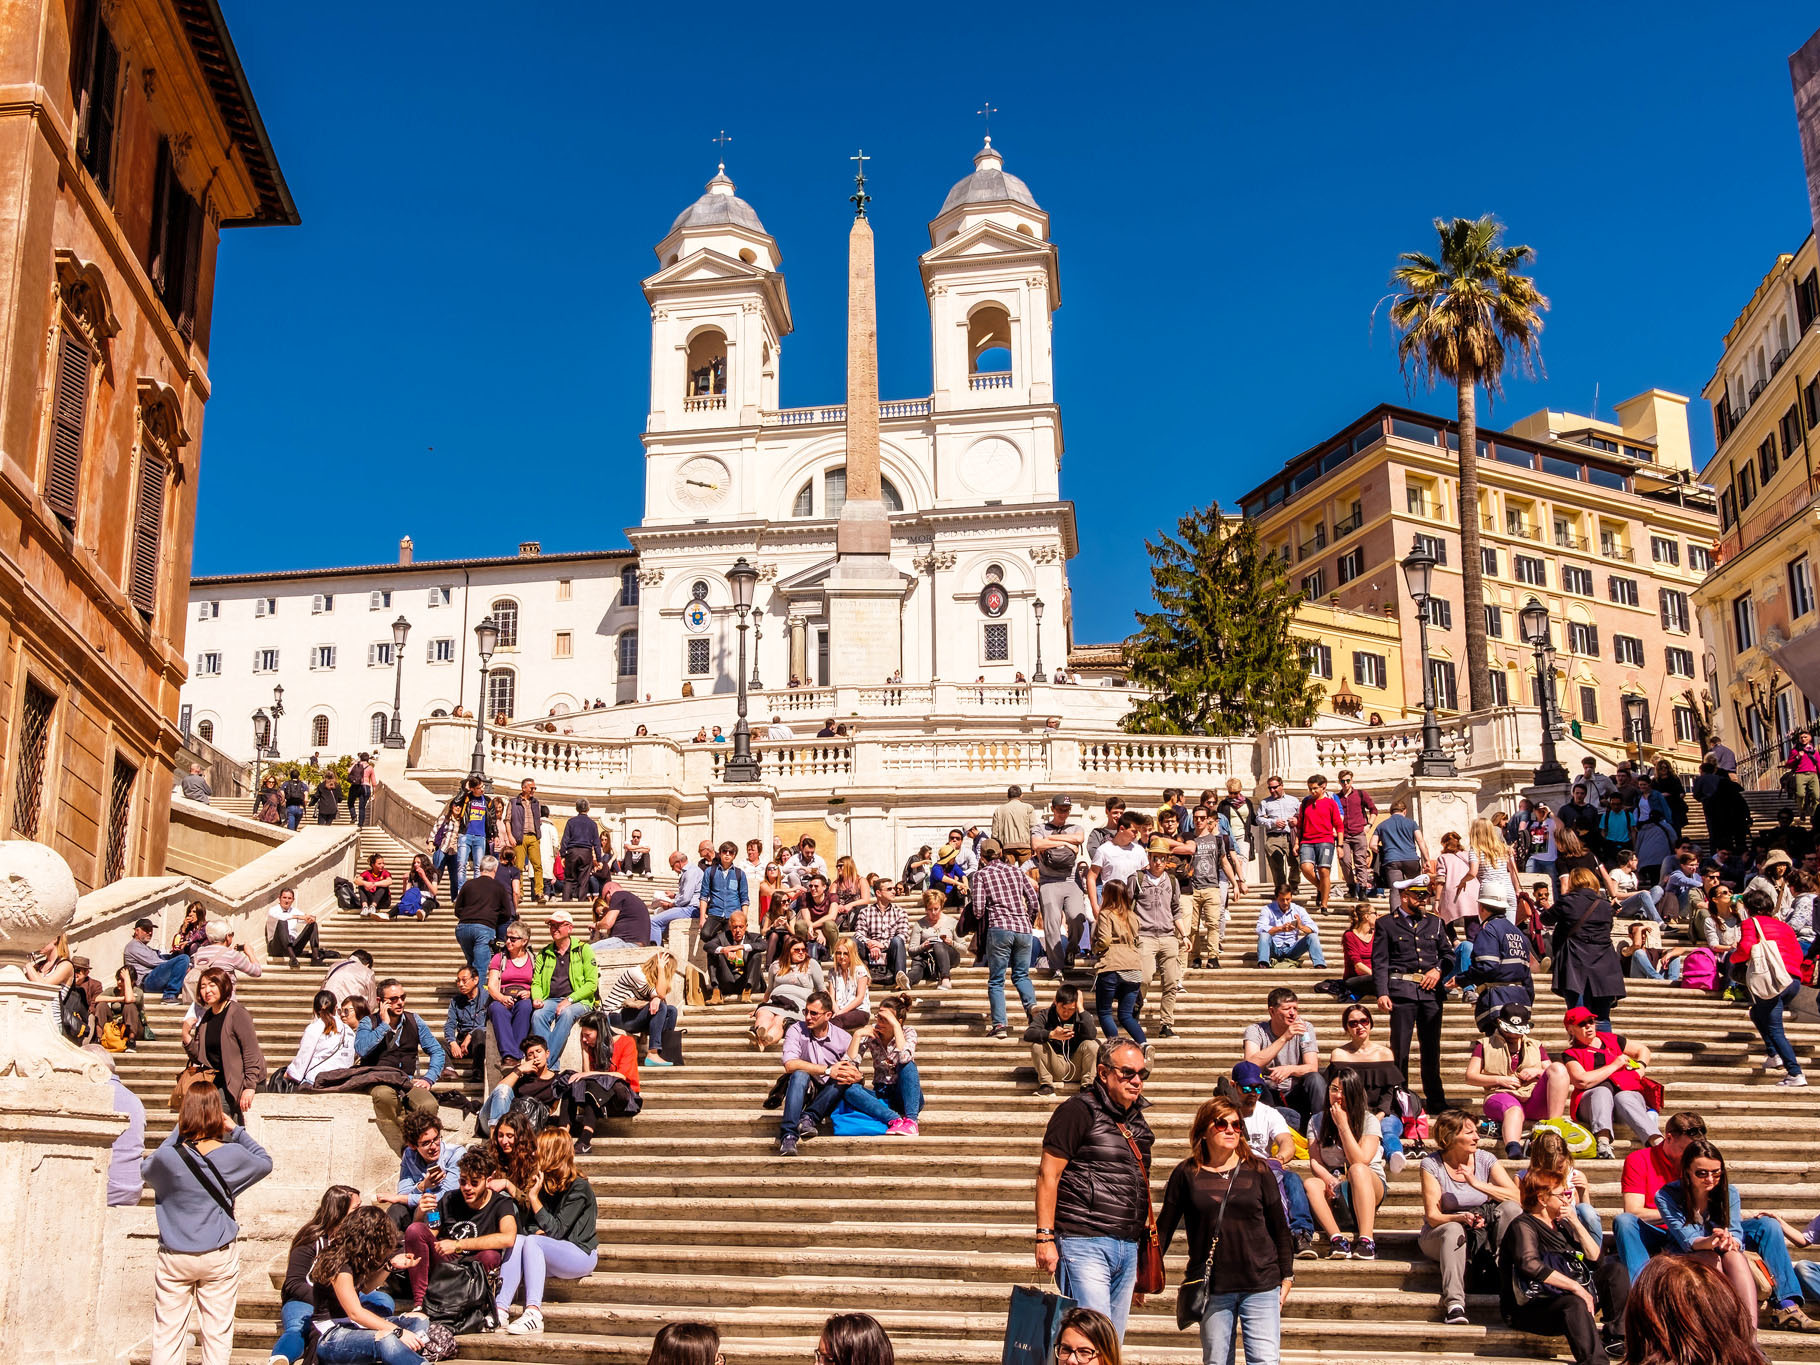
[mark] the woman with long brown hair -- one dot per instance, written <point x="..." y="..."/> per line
<point x="1238" y="1236"/>
<point x="1702" y="1214"/>
<point x="853" y="1339"/>
<point x="1683" y="1312"/>
<point x="514" y="1145"/>
<point x="1118" y="983"/>
<point x="364" y="1249"/>
<point x="299" y="1299"/>
<point x="559" y="1211"/>
<point x="686" y="1343"/>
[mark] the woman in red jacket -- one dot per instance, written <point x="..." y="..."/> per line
<point x="1762" y="924"/>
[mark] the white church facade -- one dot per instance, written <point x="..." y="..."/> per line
<point x="970" y="474"/>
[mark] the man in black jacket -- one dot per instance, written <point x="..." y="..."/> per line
<point x="580" y="851"/>
<point x="1093" y="1187"/>
<point x="736" y="960"/>
<point x="1064" y="1043"/>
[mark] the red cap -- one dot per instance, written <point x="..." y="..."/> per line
<point x="1580" y="1015"/>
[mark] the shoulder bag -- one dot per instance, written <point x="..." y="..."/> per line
<point x="186" y="1078"/>
<point x="1150" y="1249"/>
<point x="1191" y="1298"/>
<point x="217" y="1188"/>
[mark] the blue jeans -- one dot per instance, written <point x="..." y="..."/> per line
<point x="472" y="849"/>
<point x="1259" y="1313"/>
<point x="1295" y="1198"/>
<point x="166" y="979"/>
<point x="661" y="922"/>
<point x="1767" y="1016"/>
<point x="553" y="1024"/>
<point x="1392" y="1129"/>
<point x="1637" y="1241"/>
<point x="1645" y="969"/>
<point x="637" y="1018"/>
<point x="498" y="1102"/>
<point x="356" y="1345"/>
<point x="1308" y="943"/>
<point x="894" y="953"/>
<point x="294" y="1315"/>
<point x="1098" y="1273"/>
<point x="1111" y="991"/>
<point x="796" y="1091"/>
<point x="902" y="1099"/>
<point x="1007" y="947"/>
<point x="292" y="816"/>
<point x="1589" y="1219"/>
<point x="476" y="942"/>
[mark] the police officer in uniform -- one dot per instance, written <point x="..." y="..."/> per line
<point x="1499" y="969"/>
<point x="1408" y="947"/>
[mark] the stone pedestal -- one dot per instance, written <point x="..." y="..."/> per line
<point x="57" y="1128"/>
<point x="865" y="604"/>
<point x="1440" y="804"/>
<point x="741" y="811"/>
<point x="1554" y="795"/>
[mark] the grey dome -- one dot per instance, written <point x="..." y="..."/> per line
<point x="719" y="207"/>
<point x="990" y="183"/>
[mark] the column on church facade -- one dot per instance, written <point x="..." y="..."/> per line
<point x="799" y="648"/>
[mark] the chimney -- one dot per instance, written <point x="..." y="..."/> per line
<point x="404" y="550"/>
<point x="528" y="549"/>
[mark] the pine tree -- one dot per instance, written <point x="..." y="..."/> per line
<point x="1218" y="652"/>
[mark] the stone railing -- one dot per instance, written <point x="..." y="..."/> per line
<point x="1003" y="758"/>
<point x="810" y="761"/>
<point x="556" y="759"/>
<point x="795" y="700"/>
<point x="1155" y="756"/>
<point x="209" y="841"/>
<point x="894" y="695"/>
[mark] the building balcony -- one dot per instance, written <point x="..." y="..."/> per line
<point x="1570" y="542"/>
<point x="1612" y="550"/>
<point x="1349" y="525"/>
<point x="837" y="412"/>
<point x="998" y="380"/>
<point x="707" y="402"/>
<point x="1777" y="361"/>
<point x="1312" y="546"/>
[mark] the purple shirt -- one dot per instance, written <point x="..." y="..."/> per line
<point x="802" y="1046"/>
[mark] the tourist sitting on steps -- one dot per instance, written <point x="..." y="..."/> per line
<point x="353" y="978"/>
<point x="288" y="929"/>
<point x="1284" y="1047"/>
<point x="220" y="951"/>
<point x="1607" y="1071"/>
<point x="529" y="1079"/>
<point x="375" y="886"/>
<point x="1064" y="1044"/>
<point x="565" y="984"/>
<point x="392" y="1038"/>
<point x="1271" y="1137"/>
<point x="559" y="1236"/>
<point x="1376" y="1067"/>
<point x="510" y="976"/>
<point x="1520" y="1082"/>
<point x="1548" y="1152"/>
<point x="895" y="1097"/>
<point x="817" y="1072"/>
<point x="426" y="1170"/>
<point x="850" y="985"/>
<point x="639" y="995"/>
<point x="153" y="970"/>
<point x="464" y="1031"/>
<point x="1466" y="1198"/>
<point x="297" y="1308"/>
<point x="934" y="951"/>
<point x="1346" y="1167"/>
<point x="356" y="1261"/>
<point x="327" y="1043"/>
<point x="736" y="961"/>
<point x="621" y="919"/>
<point x="793" y="977"/>
<point x="881" y="935"/>
<point x="473" y="1220"/>
<point x="1286" y="933"/>
<point x="1702" y="1216"/>
<point x="605" y="1085"/>
<point x="1552" y="1279"/>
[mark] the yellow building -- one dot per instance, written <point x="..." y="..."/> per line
<point x="1599" y="520"/>
<point x="1757" y="605"/>
<point x="1332" y="636"/>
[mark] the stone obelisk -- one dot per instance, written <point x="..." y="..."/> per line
<point x="864" y="592"/>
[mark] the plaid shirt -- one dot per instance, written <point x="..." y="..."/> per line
<point x="880" y="923"/>
<point x="1005" y="896"/>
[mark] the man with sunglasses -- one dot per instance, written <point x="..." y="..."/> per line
<point x="392" y="1038"/>
<point x="1093" y="1187"/>
<point x="817" y="1072"/>
<point x="1280" y="816"/>
<point x="1407" y="948"/>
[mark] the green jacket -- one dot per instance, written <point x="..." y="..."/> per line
<point x="584" y="980"/>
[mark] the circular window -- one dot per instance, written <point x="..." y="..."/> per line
<point x="994" y="599"/>
<point x="995" y="573"/>
<point x="700" y="591"/>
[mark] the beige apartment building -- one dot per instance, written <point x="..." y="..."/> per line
<point x="1600" y="520"/>
<point x="1757" y="607"/>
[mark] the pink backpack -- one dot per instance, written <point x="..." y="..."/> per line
<point x="1700" y="970"/>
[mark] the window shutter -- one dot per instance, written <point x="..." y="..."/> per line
<point x="316" y="603"/>
<point x="148" y="532"/>
<point x="69" y="415"/>
<point x="1592" y="641"/>
<point x="1662" y="597"/>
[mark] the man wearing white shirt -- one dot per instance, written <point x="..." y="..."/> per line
<point x="804" y="861"/>
<point x="1119" y="858"/>
<point x="777" y="730"/>
<point x="287" y="929"/>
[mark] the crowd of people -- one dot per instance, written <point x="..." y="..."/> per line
<point x="1292" y="1156"/>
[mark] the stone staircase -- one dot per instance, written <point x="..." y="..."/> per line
<point x="700" y="1219"/>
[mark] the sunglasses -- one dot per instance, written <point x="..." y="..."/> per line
<point x="1227" y="1126"/>
<point x="1126" y="1073"/>
<point x="394" y="1000"/>
<point x="1706" y="1175"/>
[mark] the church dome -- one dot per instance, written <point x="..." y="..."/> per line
<point x="719" y="207"/>
<point x="990" y="183"/>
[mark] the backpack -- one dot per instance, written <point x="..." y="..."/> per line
<point x="113" y="1036"/>
<point x="848" y="1122"/>
<point x="461" y="1296"/>
<point x="72" y="1014"/>
<point x="1700" y="970"/>
<point x="295" y="793"/>
<point x="410" y="904"/>
<point x="1579" y="1141"/>
<point x="345" y="896"/>
<point x="1766" y="975"/>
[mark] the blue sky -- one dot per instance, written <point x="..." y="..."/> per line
<point x="1229" y="187"/>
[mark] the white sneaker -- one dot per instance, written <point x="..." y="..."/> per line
<point x="1771" y="1062"/>
<point x="1396" y="1161"/>
<point x="529" y="1323"/>
<point x="1795" y="1081"/>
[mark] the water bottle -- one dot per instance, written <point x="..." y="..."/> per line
<point x="434" y="1220"/>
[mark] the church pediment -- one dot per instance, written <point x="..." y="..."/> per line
<point x="705" y="265"/>
<point x="813" y="580"/>
<point x="987" y="239"/>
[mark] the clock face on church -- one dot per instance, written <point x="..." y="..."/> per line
<point x="702" y="483"/>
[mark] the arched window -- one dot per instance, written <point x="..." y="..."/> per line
<point x="989" y="341"/>
<point x="379" y="728"/>
<point x="805" y="501"/>
<point x="504" y="612"/>
<point x="628" y="587"/>
<point x="438" y="714"/>
<point x="834" y="491"/>
<point x="834" y="495"/>
<point x="319" y="732"/>
<point x="628" y="654"/>
<point x="894" y="501"/>
<point x="502" y="693"/>
<point x="708" y="369"/>
<point x="205" y="729"/>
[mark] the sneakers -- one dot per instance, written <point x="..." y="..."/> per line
<point x="1771" y="1062"/>
<point x="997" y="1031"/>
<point x="1167" y="1031"/>
<point x="1304" y="1246"/>
<point x="1603" y="1151"/>
<point x="786" y="1145"/>
<point x="1045" y="1089"/>
<point x="902" y="1128"/>
<point x="1365" y="1250"/>
<point x="1455" y="1316"/>
<point x="901" y="982"/>
<point x="529" y="1323"/>
<point x="944" y="985"/>
<point x="807" y="1129"/>
<point x="584" y="1145"/>
<point x="1339" y="1248"/>
<point x="1197" y="964"/>
<point x="1396" y="1161"/>
<point x="1795" y="1081"/>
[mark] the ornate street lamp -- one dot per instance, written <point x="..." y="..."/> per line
<point x="1036" y="610"/>
<point x="758" y="633"/>
<point x="1533" y="622"/>
<point x="262" y="736"/>
<point x="741" y="764"/>
<point x="486" y="640"/>
<point x="271" y="745"/>
<point x="401" y="629"/>
<point x="1418" y="575"/>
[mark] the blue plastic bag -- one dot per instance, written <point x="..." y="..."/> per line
<point x="848" y="1122"/>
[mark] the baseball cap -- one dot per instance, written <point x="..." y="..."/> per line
<point x="1059" y="800"/>
<point x="1514" y="1018"/>
<point x="1247" y="1074"/>
<point x="1579" y="1015"/>
<point x="990" y="847"/>
<point x="559" y="916"/>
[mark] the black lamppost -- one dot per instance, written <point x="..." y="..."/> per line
<point x="1418" y="575"/>
<point x="758" y="633"/>
<point x="401" y="629"/>
<point x="271" y="746"/>
<point x="486" y="640"/>
<point x="741" y="765"/>
<point x="1533" y="622"/>
<point x="262" y="736"/>
<point x="1036" y="609"/>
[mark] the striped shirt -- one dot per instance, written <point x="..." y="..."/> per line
<point x="628" y="985"/>
<point x="1004" y="896"/>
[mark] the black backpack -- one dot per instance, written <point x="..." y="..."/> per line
<point x="345" y="895"/>
<point x="295" y="793"/>
<point x="461" y="1296"/>
<point x="73" y="1014"/>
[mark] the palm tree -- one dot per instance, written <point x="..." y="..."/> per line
<point x="1467" y="317"/>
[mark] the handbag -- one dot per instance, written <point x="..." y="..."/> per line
<point x="1150" y="1250"/>
<point x="1032" y="1325"/>
<point x="1191" y="1298"/>
<point x="185" y="1079"/>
